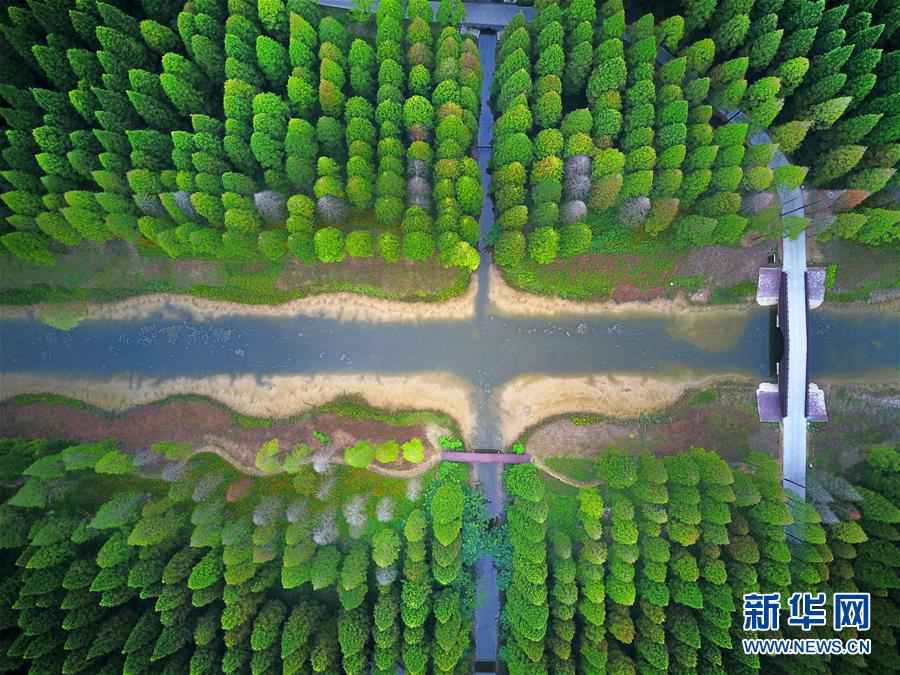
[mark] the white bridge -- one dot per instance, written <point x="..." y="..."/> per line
<point x="793" y="400"/>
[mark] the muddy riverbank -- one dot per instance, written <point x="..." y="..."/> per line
<point x="528" y="401"/>
<point x="508" y="301"/>
<point x="279" y="396"/>
<point x="335" y="306"/>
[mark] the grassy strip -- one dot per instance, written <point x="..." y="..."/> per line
<point x="251" y="294"/>
<point x="56" y="399"/>
<point x="731" y="295"/>
<point x="576" y="468"/>
<point x="113" y="274"/>
<point x="593" y="276"/>
<point x="346" y="406"/>
<point x="619" y="255"/>
<point x="357" y="408"/>
<point x="860" y="294"/>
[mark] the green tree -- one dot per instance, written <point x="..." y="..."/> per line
<point x="413" y="451"/>
<point x="359" y="455"/>
<point x="30" y="247"/>
<point x="543" y="245"/>
<point x="510" y="249"/>
<point x="329" y="243"/>
<point x="836" y="163"/>
<point x="417" y="246"/>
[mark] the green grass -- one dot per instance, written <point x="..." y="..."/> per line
<point x="611" y="236"/>
<point x="855" y="270"/>
<point x="577" y="468"/>
<point x="593" y="276"/>
<point x="585" y="420"/>
<point x="689" y="284"/>
<point x="357" y="408"/>
<point x="618" y="256"/>
<point x="703" y="397"/>
<point x="348" y="406"/>
<point x="862" y="293"/>
<point x="111" y="274"/>
<point x="62" y="317"/>
<point x="730" y="295"/>
<point x="53" y="399"/>
<point x="249" y="422"/>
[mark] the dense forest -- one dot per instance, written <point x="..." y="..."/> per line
<point x="241" y="130"/>
<point x="115" y="563"/>
<point x="608" y="126"/>
<point x="150" y="562"/>
<point x="646" y="573"/>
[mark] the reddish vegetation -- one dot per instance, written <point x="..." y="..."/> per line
<point x="727" y="425"/>
<point x="851" y="199"/>
<point x="725" y="266"/>
<point x="187" y="422"/>
<point x="629" y="293"/>
<point x="238" y="489"/>
<point x="698" y="427"/>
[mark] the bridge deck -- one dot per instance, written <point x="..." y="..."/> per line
<point x="486" y="457"/>
<point x="794" y="425"/>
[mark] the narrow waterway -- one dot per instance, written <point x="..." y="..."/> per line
<point x="488" y="351"/>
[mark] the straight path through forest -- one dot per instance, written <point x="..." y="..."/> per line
<point x="793" y="263"/>
<point x="478" y="15"/>
<point x="487" y="611"/>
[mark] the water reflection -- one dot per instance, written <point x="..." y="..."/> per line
<point x="864" y="346"/>
<point x="487" y="352"/>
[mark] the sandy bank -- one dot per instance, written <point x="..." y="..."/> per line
<point x="528" y="399"/>
<point x="273" y="397"/>
<point x="338" y="306"/>
<point x="508" y="301"/>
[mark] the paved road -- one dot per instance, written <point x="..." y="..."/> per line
<point x="793" y="427"/>
<point x="478" y="15"/>
<point x="793" y="256"/>
<point x="487" y="614"/>
<point x="793" y="261"/>
<point x="487" y="611"/>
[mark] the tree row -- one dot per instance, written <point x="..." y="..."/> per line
<point x="199" y="570"/>
<point x="258" y="130"/>
<point x="654" y="127"/>
<point x="646" y="573"/>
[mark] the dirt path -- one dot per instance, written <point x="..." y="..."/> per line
<point x="562" y="477"/>
<point x="212" y="428"/>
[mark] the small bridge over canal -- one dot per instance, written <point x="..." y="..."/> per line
<point x="793" y="400"/>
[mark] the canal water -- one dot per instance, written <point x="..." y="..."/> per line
<point x="489" y="351"/>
